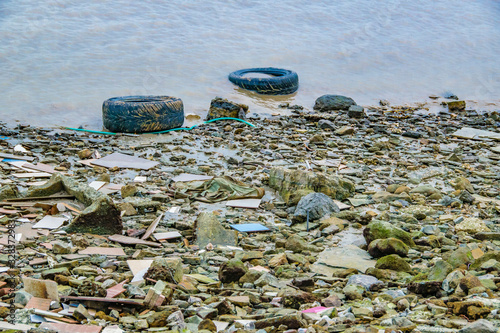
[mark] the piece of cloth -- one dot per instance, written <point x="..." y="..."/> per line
<point x="215" y="190"/>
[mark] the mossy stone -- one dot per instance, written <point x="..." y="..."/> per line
<point x="382" y="247"/>
<point x="383" y="230"/>
<point x="393" y="262"/>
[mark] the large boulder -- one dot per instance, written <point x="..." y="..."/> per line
<point x="101" y="216"/>
<point x="317" y="204"/>
<point x="220" y="108"/>
<point x="294" y="184"/>
<point x="208" y="229"/>
<point x="333" y="103"/>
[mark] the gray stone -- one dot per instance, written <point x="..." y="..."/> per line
<point x="326" y="124"/>
<point x="356" y="111"/>
<point x="365" y="281"/>
<point x="451" y="281"/>
<point x="22" y="297"/>
<point x="317" y="205"/>
<point x="479" y="326"/>
<point x="333" y="103"/>
<point x="209" y="230"/>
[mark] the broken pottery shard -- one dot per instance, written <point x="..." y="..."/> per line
<point x="101" y="216"/>
<point x="187" y="177"/>
<point x="96" y="185"/>
<point x="294" y="184"/>
<point x="125" y="161"/>
<point x="244" y="203"/>
<point x="105" y="251"/>
<point x="208" y="229"/>
<point x="50" y="222"/>
<point x="167" y="235"/>
<point x="138" y="265"/>
<point x="38" y="303"/>
<point x="349" y="256"/>
<point x="249" y="227"/>
<point x="152" y="227"/>
<point x="41" y="288"/>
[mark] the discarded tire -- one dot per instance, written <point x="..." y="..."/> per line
<point x="283" y="82"/>
<point x="139" y="114"/>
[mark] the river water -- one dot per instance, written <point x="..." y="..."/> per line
<point x="60" y="59"/>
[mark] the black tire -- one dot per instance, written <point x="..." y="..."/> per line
<point x="139" y="114"/>
<point x="284" y="81"/>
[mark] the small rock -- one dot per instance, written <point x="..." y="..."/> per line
<point x="317" y="205"/>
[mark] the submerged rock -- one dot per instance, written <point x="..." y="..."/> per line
<point x="220" y="108"/>
<point x="327" y="103"/>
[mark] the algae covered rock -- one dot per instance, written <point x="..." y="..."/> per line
<point x="8" y="191"/>
<point x="383" y="230"/>
<point x="393" y="262"/>
<point x="439" y="271"/>
<point x="288" y="182"/>
<point x="382" y="247"/>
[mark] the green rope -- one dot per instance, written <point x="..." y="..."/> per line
<point x="89" y="131"/>
<point x="166" y="131"/>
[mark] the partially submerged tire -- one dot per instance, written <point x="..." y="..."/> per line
<point x="139" y="114"/>
<point x="281" y="82"/>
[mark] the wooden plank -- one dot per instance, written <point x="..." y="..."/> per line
<point x="103" y="299"/>
<point x="31" y="175"/>
<point x="131" y="240"/>
<point x="17" y="157"/>
<point x="152" y="227"/>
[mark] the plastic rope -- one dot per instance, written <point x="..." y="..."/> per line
<point x="166" y="131"/>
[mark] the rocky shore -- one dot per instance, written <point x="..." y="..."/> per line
<point x="377" y="219"/>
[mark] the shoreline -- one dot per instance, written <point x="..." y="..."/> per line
<point x="411" y="241"/>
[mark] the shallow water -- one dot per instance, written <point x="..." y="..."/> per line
<point x="60" y="59"/>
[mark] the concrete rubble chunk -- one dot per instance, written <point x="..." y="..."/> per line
<point x="292" y="185"/>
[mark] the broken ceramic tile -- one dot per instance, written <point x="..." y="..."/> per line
<point x="249" y="227"/>
<point x="244" y="203"/>
<point x="105" y="251"/>
<point x="50" y="222"/>
<point x="187" y="177"/>
<point x="125" y="161"/>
